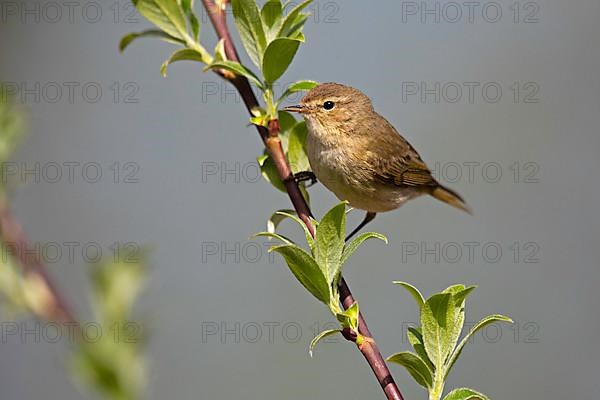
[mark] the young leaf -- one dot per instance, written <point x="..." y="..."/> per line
<point x="297" y="87"/>
<point x="181" y="55"/>
<point x="413" y="291"/>
<point x="465" y="394"/>
<point x="114" y="368"/>
<point x="293" y="23"/>
<point x="480" y="325"/>
<point x="237" y="69"/>
<point x="271" y="16"/>
<point x="306" y="270"/>
<point x="269" y="171"/>
<point x="128" y="39"/>
<point x="349" y="317"/>
<point x="270" y="235"/>
<point x="437" y="317"/>
<point x="220" y="51"/>
<point x="305" y="194"/>
<point x="277" y="58"/>
<point x="115" y="289"/>
<point x="13" y="285"/>
<point x="459" y="294"/>
<point x="415" y="338"/>
<point x="295" y="30"/>
<point x="188" y="9"/>
<point x="282" y="214"/>
<point x="355" y="244"/>
<point x="249" y="24"/>
<point x="297" y="156"/>
<point x="166" y="14"/>
<point x="286" y="123"/>
<point x="415" y="366"/>
<point x="320" y="337"/>
<point x="278" y="217"/>
<point x="329" y="241"/>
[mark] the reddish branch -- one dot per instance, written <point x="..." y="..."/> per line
<point x="272" y="142"/>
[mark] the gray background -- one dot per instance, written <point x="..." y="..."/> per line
<point x="177" y="125"/>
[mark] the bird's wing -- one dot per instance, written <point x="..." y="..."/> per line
<point x="405" y="170"/>
<point x="398" y="163"/>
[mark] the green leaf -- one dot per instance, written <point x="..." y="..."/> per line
<point x="116" y="287"/>
<point x="270" y="235"/>
<point x="282" y="214"/>
<point x="413" y="291"/>
<point x="306" y="270"/>
<point x="329" y="242"/>
<point x="277" y="218"/>
<point x="181" y="55"/>
<point x="480" y="325"/>
<point x="249" y="24"/>
<point x="277" y="58"/>
<point x="260" y="118"/>
<point x="188" y="9"/>
<point x="296" y="153"/>
<point x="269" y="172"/>
<point x="355" y="244"/>
<point x="286" y="123"/>
<point x="128" y="39"/>
<point x="305" y="193"/>
<point x="415" y="367"/>
<point x="349" y="317"/>
<point x="320" y="337"/>
<point x="415" y="338"/>
<point x="220" y="51"/>
<point x="12" y="128"/>
<point x="271" y="16"/>
<point x="459" y="294"/>
<point x="259" y="121"/>
<point x="13" y="286"/>
<point x="437" y="318"/>
<point x="296" y="27"/>
<point x="293" y="23"/>
<point x="114" y="364"/>
<point x="167" y="15"/>
<point x="296" y="87"/>
<point x="465" y="394"/>
<point x="237" y="69"/>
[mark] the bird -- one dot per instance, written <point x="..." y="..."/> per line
<point x="359" y="156"/>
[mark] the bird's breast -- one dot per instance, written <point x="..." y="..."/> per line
<point x="349" y="178"/>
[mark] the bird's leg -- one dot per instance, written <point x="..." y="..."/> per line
<point x="370" y="216"/>
<point x="306" y="176"/>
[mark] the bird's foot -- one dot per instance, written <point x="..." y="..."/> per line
<point x="305" y="176"/>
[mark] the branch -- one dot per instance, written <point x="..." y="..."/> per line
<point x="52" y="306"/>
<point x="272" y="142"/>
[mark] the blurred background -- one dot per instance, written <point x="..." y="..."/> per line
<point x="501" y="100"/>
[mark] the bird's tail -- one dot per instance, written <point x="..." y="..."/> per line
<point x="451" y="197"/>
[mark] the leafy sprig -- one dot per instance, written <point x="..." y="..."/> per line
<point x="436" y="340"/>
<point x="114" y="365"/>
<point x="176" y="23"/>
<point x="319" y="270"/>
<point x="271" y="39"/>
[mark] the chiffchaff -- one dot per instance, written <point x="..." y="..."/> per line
<point x="361" y="157"/>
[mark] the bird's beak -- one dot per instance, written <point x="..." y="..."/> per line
<point x="299" y="109"/>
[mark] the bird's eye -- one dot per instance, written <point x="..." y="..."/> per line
<point x="328" y="105"/>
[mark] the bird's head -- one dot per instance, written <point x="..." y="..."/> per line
<point x="333" y="104"/>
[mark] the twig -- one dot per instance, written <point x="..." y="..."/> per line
<point x="272" y="142"/>
<point x="51" y="305"/>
